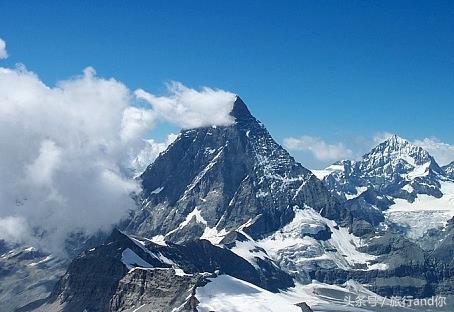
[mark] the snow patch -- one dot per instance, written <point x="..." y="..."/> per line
<point x="341" y="248"/>
<point x="425" y="213"/>
<point x="249" y="251"/>
<point x="157" y="191"/>
<point x="213" y="235"/>
<point x="41" y="261"/>
<point x="228" y="294"/>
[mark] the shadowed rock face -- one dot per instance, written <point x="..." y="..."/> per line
<point x="227" y="176"/>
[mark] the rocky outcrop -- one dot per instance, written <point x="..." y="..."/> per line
<point x="160" y="290"/>
<point x="127" y="272"/>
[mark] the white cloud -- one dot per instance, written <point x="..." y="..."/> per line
<point x="318" y="147"/>
<point x="442" y="152"/>
<point x="381" y="137"/>
<point x="3" y="53"/>
<point x="67" y="151"/>
<point x="151" y="152"/>
<point x="189" y="108"/>
<point x="14" y="229"/>
<point x="64" y="153"/>
<point x="135" y="122"/>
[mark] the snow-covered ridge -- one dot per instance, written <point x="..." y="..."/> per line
<point x="226" y="294"/>
<point x="297" y="240"/>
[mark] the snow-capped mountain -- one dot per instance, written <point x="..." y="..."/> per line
<point x="215" y="180"/>
<point x="26" y="274"/>
<point x="226" y="210"/>
<point x="399" y="183"/>
<point x="394" y="168"/>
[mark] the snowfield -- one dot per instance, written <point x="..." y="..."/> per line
<point x="340" y="250"/>
<point x="228" y="294"/>
<point x="425" y="213"/>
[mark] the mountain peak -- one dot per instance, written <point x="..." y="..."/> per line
<point x="240" y="111"/>
<point x="395" y="139"/>
<point x="217" y="179"/>
<point x="396" y="148"/>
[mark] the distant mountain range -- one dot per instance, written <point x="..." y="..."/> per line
<point x="229" y="221"/>
<point x="396" y="181"/>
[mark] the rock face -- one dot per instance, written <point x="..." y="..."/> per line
<point x="214" y="180"/>
<point x="155" y="290"/>
<point x="26" y="274"/>
<point x="126" y="273"/>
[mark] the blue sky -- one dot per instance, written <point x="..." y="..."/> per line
<point x="337" y="71"/>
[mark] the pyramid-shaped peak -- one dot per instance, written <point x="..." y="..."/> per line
<point x="396" y="148"/>
<point x="395" y="143"/>
<point x="240" y="110"/>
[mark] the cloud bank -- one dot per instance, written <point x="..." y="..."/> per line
<point x="319" y="148"/>
<point x="3" y="53"/>
<point x="68" y="150"/>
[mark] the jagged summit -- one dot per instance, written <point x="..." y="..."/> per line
<point x="240" y="111"/>
<point x="395" y="168"/>
<point x="396" y="139"/>
<point x="396" y="148"/>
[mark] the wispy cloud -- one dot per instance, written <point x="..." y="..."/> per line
<point x="380" y="137"/>
<point x="150" y="152"/>
<point x="320" y="149"/>
<point x="3" y="53"/>
<point x="64" y="152"/>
